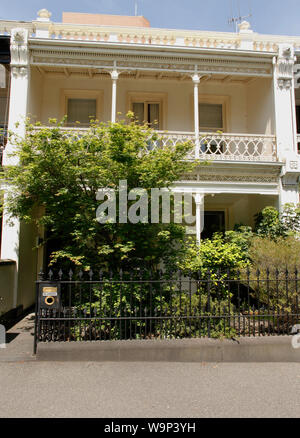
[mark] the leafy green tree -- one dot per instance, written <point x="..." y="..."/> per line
<point x="59" y="174"/>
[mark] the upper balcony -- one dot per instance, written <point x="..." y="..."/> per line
<point x="211" y="146"/>
<point x="211" y="89"/>
<point x="236" y="113"/>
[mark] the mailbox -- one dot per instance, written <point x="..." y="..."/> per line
<point x="49" y="296"/>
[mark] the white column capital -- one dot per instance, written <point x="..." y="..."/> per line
<point x="19" y="52"/>
<point x="19" y="72"/>
<point x="199" y="198"/>
<point x="284" y="64"/>
<point x="19" y="47"/>
<point x="114" y="75"/>
<point x="196" y="78"/>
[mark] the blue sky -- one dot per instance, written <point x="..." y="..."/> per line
<point x="268" y="16"/>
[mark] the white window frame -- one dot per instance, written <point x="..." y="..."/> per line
<point x="82" y="94"/>
<point x="147" y="98"/>
<point x="218" y="100"/>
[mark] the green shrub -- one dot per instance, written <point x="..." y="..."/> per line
<point x="269" y="223"/>
<point x="277" y="260"/>
<point x="281" y="254"/>
<point x="197" y="316"/>
<point x="240" y="236"/>
<point x="213" y="255"/>
<point x="290" y="218"/>
<point x="176" y="312"/>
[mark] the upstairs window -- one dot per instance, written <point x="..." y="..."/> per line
<point x="149" y="108"/>
<point x="81" y="106"/>
<point x="147" y="112"/>
<point x="211" y="120"/>
<point x="211" y="117"/>
<point x="81" y="110"/>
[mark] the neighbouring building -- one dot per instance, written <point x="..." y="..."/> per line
<point x="236" y="96"/>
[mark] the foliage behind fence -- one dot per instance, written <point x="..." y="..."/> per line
<point x="139" y="305"/>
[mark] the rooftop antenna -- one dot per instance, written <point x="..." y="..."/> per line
<point x="236" y="20"/>
<point x="135" y="7"/>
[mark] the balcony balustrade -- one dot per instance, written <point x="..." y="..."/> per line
<point x="226" y="147"/>
<point x="212" y="146"/>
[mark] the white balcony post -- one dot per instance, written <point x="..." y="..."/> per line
<point x="199" y="201"/>
<point x="283" y="82"/>
<point x="196" y="81"/>
<point x="20" y="71"/>
<point x="114" y="76"/>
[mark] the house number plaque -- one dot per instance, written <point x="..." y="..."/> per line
<point x="49" y="291"/>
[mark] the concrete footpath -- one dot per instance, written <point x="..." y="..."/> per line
<point x="19" y="342"/>
<point x="147" y="390"/>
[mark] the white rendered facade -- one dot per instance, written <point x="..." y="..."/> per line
<point x="254" y="161"/>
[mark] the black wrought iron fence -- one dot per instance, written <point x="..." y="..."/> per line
<point x="94" y="306"/>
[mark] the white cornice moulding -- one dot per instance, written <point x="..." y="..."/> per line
<point x="79" y="45"/>
<point x="128" y="58"/>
